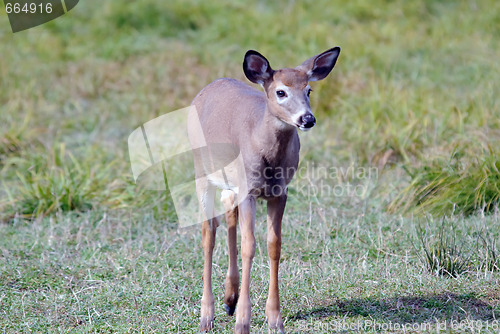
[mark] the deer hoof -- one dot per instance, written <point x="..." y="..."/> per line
<point x="230" y="309"/>
<point x="230" y="303"/>
<point x="207" y="323"/>
<point x="275" y="322"/>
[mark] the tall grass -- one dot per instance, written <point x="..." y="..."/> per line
<point x="404" y="82"/>
<point x="449" y="252"/>
<point x="57" y="180"/>
<point x="455" y="186"/>
<point x="60" y="180"/>
<point x="443" y="255"/>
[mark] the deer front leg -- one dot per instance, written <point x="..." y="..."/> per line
<point x="275" y="209"/>
<point x="246" y="211"/>
<point x="208" y="230"/>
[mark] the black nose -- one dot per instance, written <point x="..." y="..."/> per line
<point x="307" y="121"/>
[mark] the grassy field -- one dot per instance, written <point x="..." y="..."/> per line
<point x="400" y="232"/>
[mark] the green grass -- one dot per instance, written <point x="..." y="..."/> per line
<point x="453" y="186"/>
<point x="412" y="109"/>
<point x="450" y="255"/>
<point x="97" y="272"/>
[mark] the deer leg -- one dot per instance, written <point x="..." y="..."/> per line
<point x="208" y="229"/>
<point x="275" y="209"/>
<point x="233" y="277"/>
<point x="246" y="211"/>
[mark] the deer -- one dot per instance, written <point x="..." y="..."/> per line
<point x="260" y="128"/>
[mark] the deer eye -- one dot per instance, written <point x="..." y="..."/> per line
<point x="280" y="93"/>
<point x="309" y="92"/>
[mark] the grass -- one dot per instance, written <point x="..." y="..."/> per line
<point x="453" y="186"/>
<point x="411" y="109"/>
<point x="444" y="255"/>
<point x="96" y="272"/>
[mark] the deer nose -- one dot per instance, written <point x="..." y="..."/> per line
<point x="307" y="121"/>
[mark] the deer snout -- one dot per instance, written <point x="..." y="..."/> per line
<point x="306" y="122"/>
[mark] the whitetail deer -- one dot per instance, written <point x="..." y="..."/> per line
<point x="259" y="128"/>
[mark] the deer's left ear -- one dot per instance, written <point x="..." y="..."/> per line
<point x="318" y="67"/>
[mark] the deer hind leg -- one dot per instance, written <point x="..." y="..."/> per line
<point x="246" y="212"/>
<point x="275" y="209"/>
<point x="208" y="229"/>
<point x="233" y="278"/>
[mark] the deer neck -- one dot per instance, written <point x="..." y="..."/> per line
<point x="273" y="138"/>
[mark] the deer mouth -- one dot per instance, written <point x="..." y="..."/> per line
<point x="305" y="128"/>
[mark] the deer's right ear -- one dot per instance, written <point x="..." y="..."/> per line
<point x="257" y="68"/>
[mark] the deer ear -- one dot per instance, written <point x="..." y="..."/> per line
<point x="256" y="67"/>
<point x="318" y="67"/>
